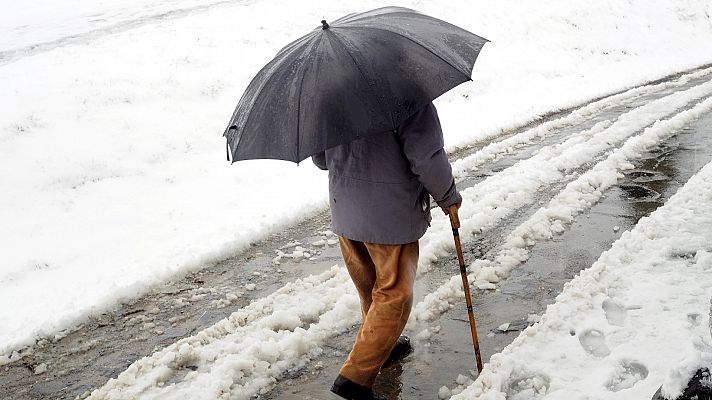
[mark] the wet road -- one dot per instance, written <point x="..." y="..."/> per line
<point x="103" y="347"/>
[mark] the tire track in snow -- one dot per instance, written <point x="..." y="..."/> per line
<point x="574" y="124"/>
<point x="499" y="196"/>
<point x="11" y="55"/>
<point x="580" y="195"/>
<point x="217" y="360"/>
<point x="496" y="150"/>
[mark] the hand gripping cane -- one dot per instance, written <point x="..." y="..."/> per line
<point x="455" y="222"/>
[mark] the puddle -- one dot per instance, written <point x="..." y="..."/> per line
<point x="644" y="176"/>
<point x="636" y="193"/>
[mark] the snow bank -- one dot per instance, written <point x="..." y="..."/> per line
<point x="111" y="160"/>
<point x="637" y="318"/>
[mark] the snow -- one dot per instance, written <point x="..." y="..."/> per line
<point x="25" y="26"/>
<point x="244" y="354"/>
<point x="112" y="165"/>
<point x="493" y="151"/>
<point x="623" y="326"/>
<point x="40" y="369"/>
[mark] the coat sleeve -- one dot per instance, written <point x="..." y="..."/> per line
<point x="421" y="138"/>
<point x="319" y="159"/>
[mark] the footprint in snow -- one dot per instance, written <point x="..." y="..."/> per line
<point x="626" y="375"/>
<point x="527" y="386"/>
<point x="615" y="312"/>
<point x="594" y="342"/>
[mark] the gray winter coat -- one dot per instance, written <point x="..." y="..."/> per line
<point x="379" y="185"/>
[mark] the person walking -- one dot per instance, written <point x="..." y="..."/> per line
<point x="379" y="189"/>
<point x="355" y="94"/>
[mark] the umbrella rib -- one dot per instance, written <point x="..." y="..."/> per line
<point x="469" y="78"/>
<point x="299" y="102"/>
<point x="358" y="67"/>
<point x="295" y="43"/>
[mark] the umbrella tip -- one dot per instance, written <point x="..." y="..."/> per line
<point x="324" y="25"/>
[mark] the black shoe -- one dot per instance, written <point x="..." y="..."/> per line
<point x="400" y="350"/>
<point x="353" y="391"/>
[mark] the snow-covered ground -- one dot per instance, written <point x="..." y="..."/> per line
<point x="40" y="24"/>
<point x="112" y="166"/>
<point x="639" y="316"/>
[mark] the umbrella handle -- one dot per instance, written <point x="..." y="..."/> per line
<point x="455" y="222"/>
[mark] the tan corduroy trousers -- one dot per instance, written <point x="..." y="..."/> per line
<point x="384" y="277"/>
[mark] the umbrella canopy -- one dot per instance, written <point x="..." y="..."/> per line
<point x="360" y="75"/>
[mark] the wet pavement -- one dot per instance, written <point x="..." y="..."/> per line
<point x="106" y="344"/>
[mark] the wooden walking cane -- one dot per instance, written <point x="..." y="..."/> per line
<point x="455" y="222"/>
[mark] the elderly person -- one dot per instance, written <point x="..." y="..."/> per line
<point x="379" y="189"/>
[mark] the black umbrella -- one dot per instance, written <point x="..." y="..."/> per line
<point x="360" y="75"/>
